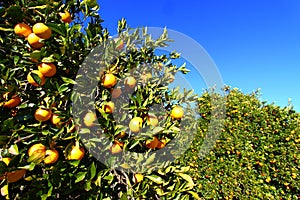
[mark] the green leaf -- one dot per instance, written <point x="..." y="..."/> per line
<point x="68" y="80"/>
<point x="188" y="178"/>
<point x="156" y="179"/>
<point x="80" y="176"/>
<point x="194" y="194"/>
<point x="125" y="166"/>
<point x="36" y="78"/>
<point x="48" y="60"/>
<point x="157" y="130"/>
<point x="58" y="28"/>
<point x="150" y="159"/>
<point x="92" y="171"/>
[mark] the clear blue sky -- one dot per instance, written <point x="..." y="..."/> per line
<point x="255" y="44"/>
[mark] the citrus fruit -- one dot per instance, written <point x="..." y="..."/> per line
<point x="135" y="124"/>
<point x="55" y="119"/>
<point x="51" y="156"/>
<point x="37" y="148"/>
<point x="13" y="102"/>
<point x="41" y="30"/>
<point x="161" y="143"/>
<point x="109" y="107"/>
<point x="47" y="69"/>
<point x="116" y="148"/>
<point x="151" y="144"/>
<point x="152" y="120"/>
<point x="6" y="160"/>
<point x="65" y="17"/>
<point x="22" y="29"/>
<point x="89" y="119"/>
<point x="12" y="176"/>
<point x="116" y="92"/>
<point x="130" y="82"/>
<point x="177" y="112"/>
<point x="32" y="81"/>
<point x="109" y="80"/>
<point x="138" y="177"/>
<point x="42" y="114"/>
<point x="76" y="153"/>
<point x="34" y="41"/>
<point x="121" y="135"/>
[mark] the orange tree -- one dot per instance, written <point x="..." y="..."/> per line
<point x="50" y="149"/>
<point x="257" y="152"/>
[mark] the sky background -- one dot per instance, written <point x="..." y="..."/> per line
<point x="255" y="44"/>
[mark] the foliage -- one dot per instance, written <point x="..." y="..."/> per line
<point x="255" y="156"/>
<point x="67" y="49"/>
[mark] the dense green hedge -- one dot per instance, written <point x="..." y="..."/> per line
<point x="256" y="156"/>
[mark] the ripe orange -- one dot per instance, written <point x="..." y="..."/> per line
<point x="89" y="119"/>
<point x="177" y="112"/>
<point x="55" y="119"/>
<point x="135" y="124"/>
<point x="51" y="156"/>
<point x="76" y="153"/>
<point x="161" y="143"/>
<point x="138" y="177"/>
<point x="116" y="92"/>
<point x="65" y="17"/>
<point x="152" y="144"/>
<point x="42" y="114"/>
<point x="13" y="102"/>
<point x="22" y="29"/>
<point x="116" y="148"/>
<point x="152" y="120"/>
<point x="109" y="107"/>
<point x="37" y="148"/>
<point x="41" y="30"/>
<point x="121" y="135"/>
<point x="47" y="69"/>
<point x="109" y="80"/>
<point x="32" y="81"/>
<point x="130" y="82"/>
<point x="14" y="176"/>
<point x="34" y="41"/>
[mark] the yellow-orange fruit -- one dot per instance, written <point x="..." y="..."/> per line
<point x="65" y="17"/>
<point x="116" y="92"/>
<point x="135" y="124"/>
<point x="47" y="69"/>
<point x="152" y="144"/>
<point x="42" y="114"/>
<point x="89" y="119"/>
<point x="116" y="148"/>
<point x="177" y="112"/>
<point x="109" y="80"/>
<point x="41" y="30"/>
<point x="130" y="82"/>
<point x="138" y="178"/>
<point x="13" y="102"/>
<point x="32" y="81"/>
<point x="51" y="156"/>
<point x="37" y="148"/>
<point x="76" y="153"/>
<point x="55" y="119"/>
<point x="109" y="107"/>
<point x="35" y="41"/>
<point x="22" y="29"/>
